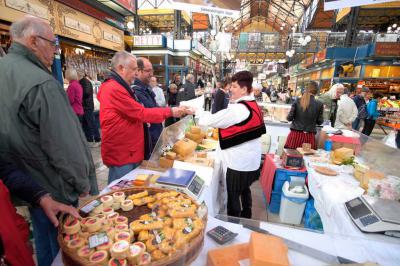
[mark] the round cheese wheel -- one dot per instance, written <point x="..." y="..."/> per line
<point x="83" y="223"/>
<point x="111" y="233"/>
<point x="108" y="210"/>
<point x="116" y="205"/>
<point x="127" y="205"/>
<point x="141" y="245"/>
<point x="93" y="225"/>
<point x="85" y="252"/>
<point x="68" y="238"/>
<point x="121" y="220"/>
<point x="112" y="217"/>
<point x="84" y="235"/>
<point x="76" y="243"/>
<point x="98" y="209"/>
<point x="144" y="259"/>
<point x="121" y="227"/>
<point x="117" y="262"/>
<point x="71" y="226"/>
<point x="119" y="196"/>
<point x="122" y="235"/>
<point x="107" y="201"/>
<point x="120" y="249"/>
<point x="102" y="217"/>
<point x="99" y="257"/>
<point x="134" y="252"/>
<point x="105" y="246"/>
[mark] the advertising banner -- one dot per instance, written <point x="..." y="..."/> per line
<point x="337" y="4"/>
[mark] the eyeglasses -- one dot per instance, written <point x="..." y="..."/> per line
<point x="52" y="43"/>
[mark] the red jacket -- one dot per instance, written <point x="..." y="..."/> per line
<point x="14" y="232"/>
<point x="121" y="122"/>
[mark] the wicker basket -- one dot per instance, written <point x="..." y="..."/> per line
<point x="180" y="257"/>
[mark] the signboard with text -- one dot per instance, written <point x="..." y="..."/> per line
<point x="149" y="41"/>
<point x="338" y="4"/>
<point x="387" y="49"/>
<point x="127" y="4"/>
<point x="218" y="8"/>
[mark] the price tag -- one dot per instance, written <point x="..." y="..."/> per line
<point x="90" y="207"/>
<point x="98" y="239"/>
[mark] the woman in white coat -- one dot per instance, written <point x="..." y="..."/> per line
<point x="347" y="111"/>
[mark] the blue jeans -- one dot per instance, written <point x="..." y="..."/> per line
<point x="90" y="127"/>
<point x="356" y="124"/>
<point x="116" y="172"/>
<point x="45" y="235"/>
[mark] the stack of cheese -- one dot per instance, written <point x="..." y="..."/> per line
<point x="262" y="250"/>
<point x="171" y="223"/>
<point x="342" y="154"/>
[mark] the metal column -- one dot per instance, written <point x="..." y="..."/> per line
<point x="178" y="24"/>
<point x="166" y="64"/>
<point x="352" y="26"/>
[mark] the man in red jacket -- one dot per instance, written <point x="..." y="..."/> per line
<point x="122" y="118"/>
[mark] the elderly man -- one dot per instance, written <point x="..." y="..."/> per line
<point x="330" y="101"/>
<point x="39" y="130"/>
<point x="122" y="118"/>
<point x="148" y="98"/>
<point x="160" y="97"/>
<point x="187" y="92"/>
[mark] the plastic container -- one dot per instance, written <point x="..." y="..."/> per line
<point x="275" y="202"/>
<point x="292" y="205"/>
<point x="283" y="175"/>
<point x="328" y="145"/>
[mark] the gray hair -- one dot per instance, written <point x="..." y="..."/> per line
<point x="190" y="77"/>
<point x="28" y="26"/>
<point x="121" y="58"/>
<point x="71" y="74"/>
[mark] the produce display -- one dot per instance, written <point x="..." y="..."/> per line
<point x="134" y="227"/>
<point x="389" y="104"/>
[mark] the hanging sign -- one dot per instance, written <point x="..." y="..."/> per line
<point x="148" y="41"/>
<point x="337" y="4"/>
<point x="217" y="8"/>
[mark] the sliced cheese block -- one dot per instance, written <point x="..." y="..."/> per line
<point x="112" y="217"/>
<point x="267" y="250"/>
<point x="117" y="262"/>
<point x="108" y="210"/>
<point x="119" y="196"/>
<point x="127" y="205"/>
<point x="171" y="155"/>
<point x="98" y="209"/>
<point x="342" y="154"/>
<point x="195" y="129"/>
<point x="144" y="259"/>
<point x="107" y="201"/>
<point x="116" y="205"/>
<point x="228" y="256"/>
<point x="134" y="253"/>
<point x="99" y="257"/>
<point x="120" y="249"/>
<point x="121" y="220"/>
<point x="195" y="137"/>
<point x="71" y="226"/>
<point x="93" y="225"/>
<point x="105" y="246"/>
<point x="85" y="252"/>
<point x="122" y="235"/>
<point x="76" y="243"/>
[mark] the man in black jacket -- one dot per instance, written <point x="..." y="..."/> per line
<point x="89" y="127"/>
<point x="187" y="92"/>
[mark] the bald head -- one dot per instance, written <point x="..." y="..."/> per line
<point x="36" y="35"/>
<point x="145" y="70"/>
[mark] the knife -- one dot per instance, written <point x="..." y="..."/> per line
<point x="306" y="250"/>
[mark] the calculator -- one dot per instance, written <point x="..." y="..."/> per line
<point x="221" y="235"/>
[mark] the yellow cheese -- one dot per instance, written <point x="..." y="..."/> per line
<point x="195" y="137"/>
<point x="98" y="209"/>
<point x="342" y="154"/>
<point x="116" y="205"/>
<point x="122" y="235"/>
<point x="119" y="196"/>
<point x="184" y="147"/>
<point x="99" y="257"/>
<point x="85" y="252"/>
<point x="166" y="163"/>
<point x="228" y="256"/>
<point x="127" y="205"/>
<point x="93" y="225"/>
<point x="134" y="253"/>
<point x="76" y="243"/>
<point x="171" y="155"/>
<point x="121" y="220"/>
<point x="112" y="217"/>
<point x="71" y="226"/>
<point x="140" y="194"/>
<point x="195" y="130"/>
<point x="107" y="200"/>
<point x="267" y="250"/>
<point x="117" y="262"/>
<point x="120" y="249"/>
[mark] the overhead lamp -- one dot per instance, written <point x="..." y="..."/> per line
<point x="213" y="32"/>
<point x="308" y="38"/>
<point x="301" y="40"/>
<point x="130" y="25"/>
<point x="394" y="26"/>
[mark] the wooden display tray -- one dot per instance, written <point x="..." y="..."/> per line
<point x="325" y="171"/>
<point x="181" y="257"/>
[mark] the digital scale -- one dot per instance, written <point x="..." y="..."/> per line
<point x="375" y="215"/>
<point x="183" y="181"/>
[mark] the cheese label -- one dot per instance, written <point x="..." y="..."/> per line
<point x="121" y="245"/>
<point x="117" y="262"/>
<point x="187" y="230"/>
<point x="98" y="239"/>
<point x="98" y="256"/>
<point x="106" y="210"/>
<point x="134" y="250"/>
<point x="90" y="207"/>
<point x="91" y="221"/>
<point x="121" y="219"/>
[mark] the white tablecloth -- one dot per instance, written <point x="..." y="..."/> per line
<point x="330" y="194"/>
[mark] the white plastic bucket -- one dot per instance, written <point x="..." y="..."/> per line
<point x="292" y="205"/>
